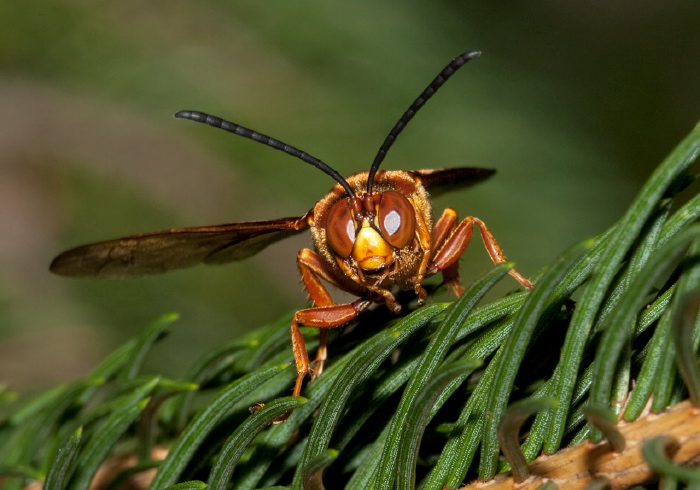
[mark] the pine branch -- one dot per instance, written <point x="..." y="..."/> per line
<point x="416" y="401"/>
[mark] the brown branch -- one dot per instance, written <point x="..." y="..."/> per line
<point x="575" y="467"/>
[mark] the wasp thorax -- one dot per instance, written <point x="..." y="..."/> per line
<point x="371" y="228"/>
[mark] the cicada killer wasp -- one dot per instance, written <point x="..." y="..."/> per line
<point x="373" y="234"/>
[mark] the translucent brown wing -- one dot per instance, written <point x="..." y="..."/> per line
<point x="155" y="253"/>
<point x="441" y="180"/>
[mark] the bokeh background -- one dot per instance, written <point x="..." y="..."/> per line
<point x="574" y="103"/>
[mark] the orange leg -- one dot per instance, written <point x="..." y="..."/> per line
<point x="457" y="242"/>
<point x="444" y="228"/>
<point x="322" y="317"/>
<point x="313" y="269"/>
<point x="324" y="314"/>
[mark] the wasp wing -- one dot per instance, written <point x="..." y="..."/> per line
<point x="155" y="253"/>
<point x="441" y="180"/>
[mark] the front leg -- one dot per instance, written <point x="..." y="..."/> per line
<point x="444" y="228"/>
<point x="455" y="244"/>
<point x="324" y="314"/>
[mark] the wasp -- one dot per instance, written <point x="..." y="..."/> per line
<point x="373" y="235"/>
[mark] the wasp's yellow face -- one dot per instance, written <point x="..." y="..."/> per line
<point x="370" y="250"/>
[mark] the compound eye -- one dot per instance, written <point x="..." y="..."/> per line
<point x="397" y="220"/>
<point x="340" y="228"/>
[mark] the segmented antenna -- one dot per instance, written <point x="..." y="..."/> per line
<point x="444" y="75"/>
<point x="234" y="128"/>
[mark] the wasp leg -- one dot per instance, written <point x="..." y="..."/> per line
<point x="313" y="269"/>
<point x="324" y="314"/>
<point x="457" y="242"/>
<point x="444" y="228"/>
<point x="320" y="317"/>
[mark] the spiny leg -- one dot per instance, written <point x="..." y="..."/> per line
<point x="313" y="269"/>
<point x="324" y="314"/>
<point x="445" y="227"/>
<point x="322" y="317"/>
<point x="457" y="242"/>
<point x="496" y="254"/>
<point x="301" y="356"/>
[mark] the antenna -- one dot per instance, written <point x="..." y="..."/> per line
<point x="234" y="128"/>
<point x="442" y="77"/>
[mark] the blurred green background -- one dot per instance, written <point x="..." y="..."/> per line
<point x="574" y="103"/>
